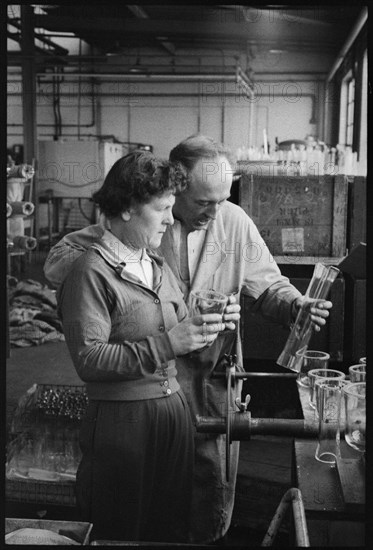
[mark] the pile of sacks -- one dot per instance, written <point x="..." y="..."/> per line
<point x="32" y="314"/>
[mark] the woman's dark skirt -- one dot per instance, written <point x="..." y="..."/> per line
<point x="134" y="482"/>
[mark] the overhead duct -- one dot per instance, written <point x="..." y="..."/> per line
<point x="238" y="78"/>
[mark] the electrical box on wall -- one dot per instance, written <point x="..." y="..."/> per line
<point x="75" y="168"/>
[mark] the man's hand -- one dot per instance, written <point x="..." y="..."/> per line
<point x="231" y="313"/>
<point x="317" y="308"/>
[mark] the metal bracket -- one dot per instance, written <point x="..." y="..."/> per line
<point x="230" y="372"/>
<point x="242" y="407"/>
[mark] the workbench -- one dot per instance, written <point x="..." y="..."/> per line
<point x="335" y="516"/>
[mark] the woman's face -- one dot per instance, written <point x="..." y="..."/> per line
<point x="148" y="222"/>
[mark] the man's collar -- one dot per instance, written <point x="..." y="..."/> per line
<point x="179" y="223"/>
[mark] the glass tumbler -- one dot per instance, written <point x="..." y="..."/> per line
<point x="315" y="375"/>
<point x="207" y="301"/>
<point x="309" y="360"/>
<point x="355" y="413"/>
<point x="357" y="372"/>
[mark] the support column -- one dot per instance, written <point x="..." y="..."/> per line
<point x="29" y="95"/>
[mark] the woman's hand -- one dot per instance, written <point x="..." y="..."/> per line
<point x="194" y="333"/>
<point x="231" y="313"/>
<point x="317" y="308"/>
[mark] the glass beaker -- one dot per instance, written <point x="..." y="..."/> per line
<point x="357" y="372"/>
<point x="315" y="375"/>
<point x="355" y="411"/>
<point x="310" y="360"/>
<point x="318" y="288"/>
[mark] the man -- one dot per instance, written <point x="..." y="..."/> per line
<point x="213" y="244"/>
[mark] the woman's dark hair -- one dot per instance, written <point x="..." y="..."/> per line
<point x="135" y="179"/>
<point x="194" y="148"/>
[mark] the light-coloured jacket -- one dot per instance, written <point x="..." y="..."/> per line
<point x="234" y="258"/>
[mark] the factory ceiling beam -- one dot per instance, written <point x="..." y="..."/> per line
<point x="176" y="29"/>
<point x="57" y="49"/>
<point x="139" y="12"/>
<point x="287" y="13"/>
<point x="17" y="37"/>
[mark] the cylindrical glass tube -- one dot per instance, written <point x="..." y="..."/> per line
<point x="311" y="359"/>
<point x="329" y="408"/>
<point x="315" y="375"/>
<point x="355" y="407"/>
<point x="318" y="288"/>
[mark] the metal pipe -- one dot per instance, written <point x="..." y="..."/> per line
<point x="350" y="40"/>
<point x="28" y="85"/>
<point x="251" y="119"/>
<point x="153" y="77"/>
<point x="292" y="496"/>
<point x="258" y="134"/>
<point x="92" y="95"/>
<point x="73" y="57"/>
<point x="196" y="94"/>
<point x="243" y="426"/>
<point x="257" y="374"/>
<point x="129" y="122"/>
<point x="55" y="109"/>
<point x="79" y="88"/>
<point x="199" y="112"/>
<point x="209" y="424"/>
<point x="271" y="73"/>
<point x="280" y="426"/>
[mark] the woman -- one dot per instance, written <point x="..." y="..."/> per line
<point x="125" y="323"/>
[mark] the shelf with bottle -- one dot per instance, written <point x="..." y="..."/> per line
<point x="316" y="159"/>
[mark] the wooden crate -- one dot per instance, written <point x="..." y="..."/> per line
<point x="298" y="216"/>
<point x="357" y="211"/>
<point x="356" y="319"/>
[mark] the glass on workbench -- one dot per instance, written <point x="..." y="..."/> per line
<point x="309" y="360"/>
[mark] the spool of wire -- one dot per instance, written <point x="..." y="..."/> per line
<point x="24" y="242"/>
<point x="22" y="208"/>
<point x="24" y="171"/>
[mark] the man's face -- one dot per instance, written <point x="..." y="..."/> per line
<point x="209" y="187"/>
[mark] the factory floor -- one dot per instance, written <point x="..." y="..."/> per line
<point x="265" y="462"/>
